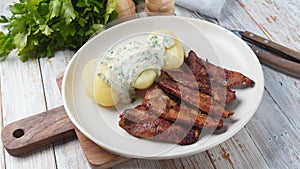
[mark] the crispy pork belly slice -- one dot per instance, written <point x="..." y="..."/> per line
<point x="140" y="123"/>
<point x="162" y="105"/>
<point x="200" y="100"/>
<point x="218" y="92"/>
<point x="205" y="71"/>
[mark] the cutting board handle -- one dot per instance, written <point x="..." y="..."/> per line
<point x="37" y="131"/>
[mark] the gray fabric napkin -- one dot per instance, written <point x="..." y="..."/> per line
<point x="211" y="8"/>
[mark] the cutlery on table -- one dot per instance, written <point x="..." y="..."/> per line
<point x="270" y="53"/>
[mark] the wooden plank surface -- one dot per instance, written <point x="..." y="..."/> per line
<point x="23" y="96"/>
<point x="2" y="156"/>
<point x="270" y="139"/>
<point x="284" y="106"/>
<point x="68" y="154"/>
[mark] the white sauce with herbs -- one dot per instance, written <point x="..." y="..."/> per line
<point x="126" y="62"/>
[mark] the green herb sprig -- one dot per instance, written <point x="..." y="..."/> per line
<point x="39" y="28"/>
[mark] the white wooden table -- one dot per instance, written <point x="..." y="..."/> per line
<point x="270" y="140"/>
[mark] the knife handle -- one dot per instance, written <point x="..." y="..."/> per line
<point x="271" y="46"/>
<point x="284" y="65"/>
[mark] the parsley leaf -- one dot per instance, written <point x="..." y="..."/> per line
<point x="38" y="28"/>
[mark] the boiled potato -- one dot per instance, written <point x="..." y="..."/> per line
<point x="174" y="55"/>
<point x="145" y="79"/>
<point x="95" y="87"/>
<point x="88" y="75"/>
<point x="103" y="93"/>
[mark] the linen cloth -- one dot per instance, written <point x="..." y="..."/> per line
<point x="211" y="8"/>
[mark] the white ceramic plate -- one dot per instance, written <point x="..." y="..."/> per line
<point x="208" y="40"/>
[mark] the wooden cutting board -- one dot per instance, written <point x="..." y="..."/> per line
<point x="40" y="130"/>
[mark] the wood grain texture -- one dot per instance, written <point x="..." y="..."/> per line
<point x="283" y="89"/>
<point x="194" y="161"/>
<point x="286" y="66"/>
<point x="275" y="91"/>
<point x="278" y="131"/>
<point x="238" y="152"/>
<point x="272" y="46"/>
<point x="2" y="160"/>
<point x="68" y="154"/>
<point x="98" y="157"/>
<point x="23" y="96"/>
<point x="279" y="19"/>
<point x="139" y="163"/>
<point x="37" y="131"/>
<point x="281" y="23"/>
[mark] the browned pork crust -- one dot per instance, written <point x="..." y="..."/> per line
<point x="154" y="128"/>
<point x="204" y="71"/>
<point x="162" y="105"/>
<point x="197" y="99"/>
<point x="218" y="92"/>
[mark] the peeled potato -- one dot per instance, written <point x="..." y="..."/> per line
<point x="145" y="79"/>
<point x="174" y="55"/>
<point x="88" y="75"/>
<point x="95" y="87"/>
<point x="103" y="93"/>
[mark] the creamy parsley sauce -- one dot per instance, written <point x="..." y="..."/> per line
<point x="126" y="62"/>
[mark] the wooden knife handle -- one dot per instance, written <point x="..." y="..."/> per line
<point x="286" y="66"/>
<point x="272" y="46"/>
<point x="37" y="131"/>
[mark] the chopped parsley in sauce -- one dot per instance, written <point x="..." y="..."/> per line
<point x="125" y="63"/>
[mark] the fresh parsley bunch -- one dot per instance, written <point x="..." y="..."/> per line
<point x="38" y="28"/>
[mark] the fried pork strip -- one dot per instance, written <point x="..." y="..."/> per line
<point x="218" y="92"/>
<point x="204" y="71"/>
<point x="162" y="105"/>
<point x="199" y="100"/>
<point x="139" y="123"/>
